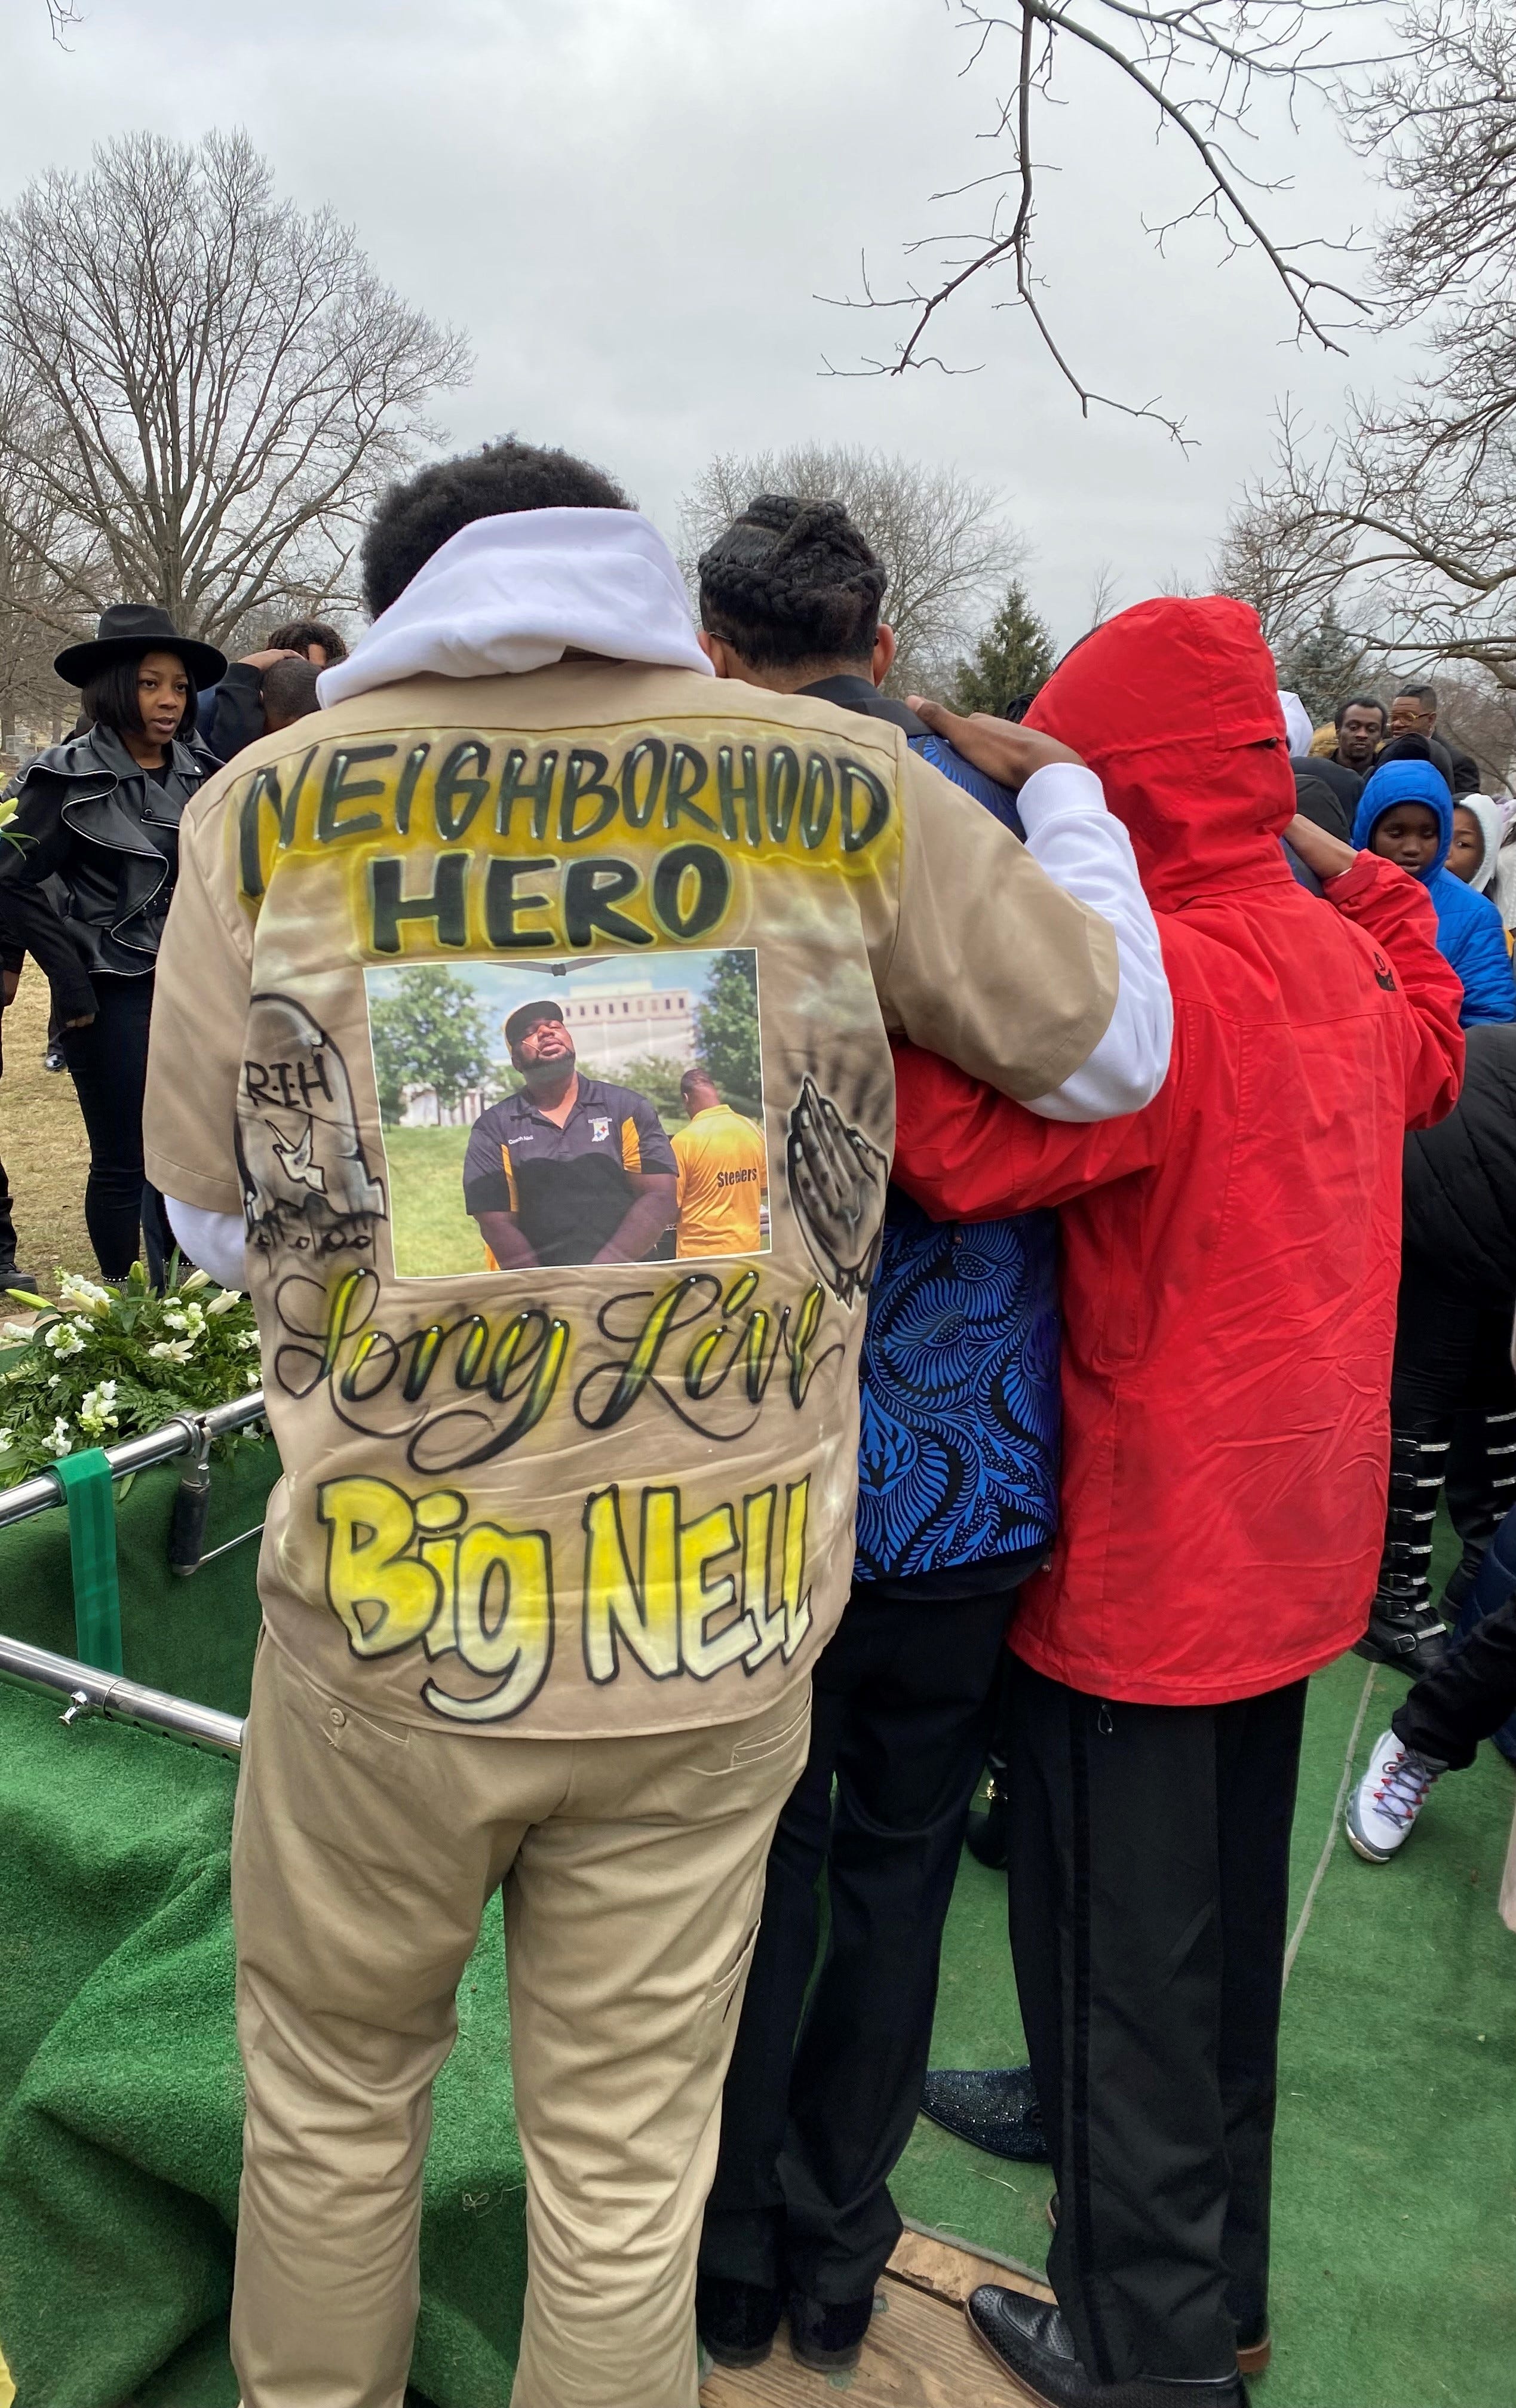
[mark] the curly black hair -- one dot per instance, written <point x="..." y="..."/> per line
<point x="415" y="520"/>
<point x="298" y="635"/>
<point x="792" y="581"/>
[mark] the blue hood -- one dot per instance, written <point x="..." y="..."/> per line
<point x="1405" y="781"/>
<point x="1469" y="933"/>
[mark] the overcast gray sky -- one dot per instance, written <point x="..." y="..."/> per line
<point x="631" y="203"/>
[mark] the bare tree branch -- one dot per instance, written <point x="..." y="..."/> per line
<point x="63" y="16"/>
<point x="1408" y="516"/>
<point x="1198" y="67"/>
<point x="215" y="384"/>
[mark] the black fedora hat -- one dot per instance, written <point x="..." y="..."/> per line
<point x="124" y="633"/>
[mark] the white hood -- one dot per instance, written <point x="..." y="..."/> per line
<point x="511" y="593"/>
<point x="1491" y="820"/>
<point x="1297" y="727"/>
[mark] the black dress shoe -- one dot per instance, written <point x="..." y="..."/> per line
<point x="996" y="2111"/>
<point x="1030" y="2342"/>
<point x="736" y="2321"/>
<point x="828" y="2335"/>
<point x="987" y="1835"/>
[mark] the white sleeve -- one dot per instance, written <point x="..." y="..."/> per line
<point x="213" y="1240"/>
<point x="1074" y="837"/>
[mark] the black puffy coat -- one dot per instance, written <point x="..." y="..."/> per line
<point x="1460" y="1190"/>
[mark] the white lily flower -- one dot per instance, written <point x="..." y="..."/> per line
<point x="197" y="1280"/>
<point x="227" y="1301"/>
<point x="82" y="1295"/>
<point x="7" y="1441"/>
<point x="96" y="1413"/>
<point x="172" y="1350"/>
<point x="60" y="1439"/>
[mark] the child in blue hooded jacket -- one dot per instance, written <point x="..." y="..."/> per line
<point x="1404" y="814"/>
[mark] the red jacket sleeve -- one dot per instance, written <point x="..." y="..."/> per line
<point x="966" y="1154"/>
<point x="1395" y="911"/>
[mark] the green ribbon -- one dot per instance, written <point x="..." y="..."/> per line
<point x="89" y="1497"/>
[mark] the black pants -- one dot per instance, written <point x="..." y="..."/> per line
<point x="811" y="2130"/>
<point x="1452" y="1417"/>
<point x="108" y="1062"/>
<point x="1472" y="1692"/>
<point x="1149" y="1867"/>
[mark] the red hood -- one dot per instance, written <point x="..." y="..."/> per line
<point x="1175" y="707"/>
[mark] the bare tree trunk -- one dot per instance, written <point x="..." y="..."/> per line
<point x="212" y="385"/>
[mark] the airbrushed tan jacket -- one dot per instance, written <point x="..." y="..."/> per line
<point x="616" y="1497"/>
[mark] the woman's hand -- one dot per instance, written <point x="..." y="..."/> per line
<point x="85" y="1020"/>
<point x="998" y="747"/>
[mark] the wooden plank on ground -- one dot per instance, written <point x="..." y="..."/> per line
<point x="920" y="2353"/>
<point x="951" y="2270"/>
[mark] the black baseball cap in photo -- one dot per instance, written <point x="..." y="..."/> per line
<point x="527" y="1016"/>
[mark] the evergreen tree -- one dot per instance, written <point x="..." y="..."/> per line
<point x="1324" y="665"/>
<point x="1013" y="657"/>
<point x="727" y="1031"/>
<point x="434" y="1032"/>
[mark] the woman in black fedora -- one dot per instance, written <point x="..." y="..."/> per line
<point x="87" y="868"/>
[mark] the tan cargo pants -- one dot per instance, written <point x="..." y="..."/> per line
<point x="363" y="1858"/>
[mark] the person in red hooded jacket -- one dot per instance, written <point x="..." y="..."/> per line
<point x="1230" y="1259"/>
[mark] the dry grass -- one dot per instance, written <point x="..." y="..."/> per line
<point x="42" y="1143"/>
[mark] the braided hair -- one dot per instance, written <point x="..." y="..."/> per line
<point x="792" y="581"/>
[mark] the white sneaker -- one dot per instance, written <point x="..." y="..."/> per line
<point x="1388" y="1797"/>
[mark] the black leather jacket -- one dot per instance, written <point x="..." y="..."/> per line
<point x="84" y="886"/>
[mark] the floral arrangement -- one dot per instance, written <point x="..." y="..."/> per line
<point x="104" y="1363"/>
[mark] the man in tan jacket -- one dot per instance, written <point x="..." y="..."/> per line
<point x="556" y="1544"/>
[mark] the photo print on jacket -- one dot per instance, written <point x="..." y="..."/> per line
<point x="594" y="1111"/>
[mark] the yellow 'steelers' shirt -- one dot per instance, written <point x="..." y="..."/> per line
<point x="723" y="1173"/>
<point x="597" y="1491"/>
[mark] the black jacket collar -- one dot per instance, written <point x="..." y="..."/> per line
<point x="100" y="756"/>
<point x="850" y="692"/>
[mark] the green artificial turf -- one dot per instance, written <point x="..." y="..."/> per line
<point x="120" y="2092"/>
<point x="1394" y="2231"/>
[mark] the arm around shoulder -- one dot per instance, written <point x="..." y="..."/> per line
<point x="1086" y="852"/>
<point x="992" y="966"/>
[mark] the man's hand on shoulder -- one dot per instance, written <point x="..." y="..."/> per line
<point x="1009" y="753"/>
